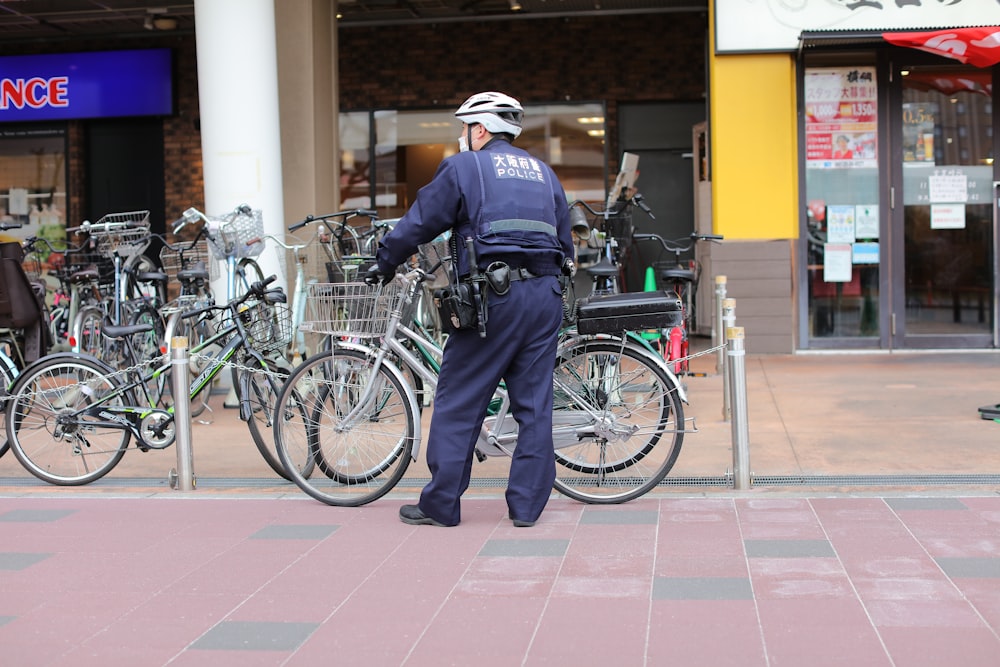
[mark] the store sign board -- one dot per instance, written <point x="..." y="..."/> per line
<point x="744" y="26"/>
<point x="96" y="84"/>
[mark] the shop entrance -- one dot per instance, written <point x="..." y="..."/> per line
<point x="900" y="235"/>
<point x="944" y="233"/>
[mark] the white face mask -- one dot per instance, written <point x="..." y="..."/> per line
<point x="463" y="145"/>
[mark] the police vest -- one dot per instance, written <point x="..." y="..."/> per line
<point x="517" y="215"/>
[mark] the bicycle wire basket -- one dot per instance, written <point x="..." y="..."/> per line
<point x="352" y="309"/>
<point x="268" y="326"/>
<point x="184" y="255"/>
<point x="124" y="234"/>
<point x="429" y="254"/>
<point x="232" y="232"/>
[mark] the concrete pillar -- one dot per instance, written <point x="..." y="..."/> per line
<point x="308" y="96"/>
<point x="238" y="100"/>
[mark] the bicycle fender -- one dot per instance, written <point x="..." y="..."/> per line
<point x="75" y="356"/>
<point x="411" y="396"/>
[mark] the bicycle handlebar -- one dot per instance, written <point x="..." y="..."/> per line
<point x="345" y="215"/>
<point x="620" y="205"/>
<point x="271" y="237"/>
<point x="680" y="245"/>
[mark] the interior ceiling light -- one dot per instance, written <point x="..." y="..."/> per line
<point x="515" y="5"/>
<point x="590" y="120"/>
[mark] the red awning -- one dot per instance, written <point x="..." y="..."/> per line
<point x="979" y="47"/>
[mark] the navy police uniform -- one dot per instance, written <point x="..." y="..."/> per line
<point x="514" y="207"/>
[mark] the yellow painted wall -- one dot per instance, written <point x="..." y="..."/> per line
<point x="754" y="147"/>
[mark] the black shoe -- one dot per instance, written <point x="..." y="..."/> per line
<point x="413" y="515"/>
<point x="518" y="523"/>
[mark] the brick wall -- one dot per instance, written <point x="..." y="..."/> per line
<point x="655" y="57"/>
<point x="632" y="58"/>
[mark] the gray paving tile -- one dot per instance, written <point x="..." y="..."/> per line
<point x="518" y="548"/>
<point x="6" y="619"/>
<point x="620" y="517"/>
<point x="20" y="561"/>
<point x="788" y="549"/>
<point x="40" y="516"/>
<point x="255" y="636"/>
<point x="702" y="588"/>
<point x="903" y="504"/>
<point x="970" y="568"/>
<point x="294" y="532"/>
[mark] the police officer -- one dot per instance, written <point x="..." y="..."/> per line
<point x="513" y="207"/>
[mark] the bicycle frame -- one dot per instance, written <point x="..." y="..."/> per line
<point x="498" y="435"/>
<point x="129" y="416"/>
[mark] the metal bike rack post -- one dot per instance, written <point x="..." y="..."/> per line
<point x="741" y="434"/>
<point x="718" y="332"/>
<point x="182" y="477"/>
<point x="728" y="321"/>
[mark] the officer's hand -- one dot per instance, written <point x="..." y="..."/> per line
<point x="374" y="276"/>
<point x="569" y="268"/>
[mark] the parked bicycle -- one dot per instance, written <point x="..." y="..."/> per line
<point x="70" y="417"/>
<point x="351" y="414"/>
<point x="681" y="278"/>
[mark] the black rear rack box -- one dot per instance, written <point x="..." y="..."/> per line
<point x="632" y="311"/>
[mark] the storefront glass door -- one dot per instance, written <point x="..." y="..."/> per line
<point x="943" y="249"/>
<point x="842" y="228"/>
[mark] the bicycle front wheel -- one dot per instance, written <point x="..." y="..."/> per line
<point x="355" y="422"/>
<point x="49" y="429"/>
<point x="618" y="422"/>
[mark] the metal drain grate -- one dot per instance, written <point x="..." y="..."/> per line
<point x="725" y="481"/>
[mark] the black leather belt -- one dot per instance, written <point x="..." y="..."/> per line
<point x="521" y="274"/>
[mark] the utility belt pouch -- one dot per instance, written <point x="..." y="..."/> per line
<point x="498" y="277"/>
<point x="457" y="306"/>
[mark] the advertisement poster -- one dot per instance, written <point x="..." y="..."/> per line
<point x="840" y="224"/>
<point x="918" y="131"/>
<point x="866" y="221"/>
<point x="841" y="117"/>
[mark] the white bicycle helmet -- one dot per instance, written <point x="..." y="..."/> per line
<point x="495" y="111"/>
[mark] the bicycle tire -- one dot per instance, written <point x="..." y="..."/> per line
<point x="46" y="431"/>
<point x="248" y="272"/>
<point x="195" y="332"/>
<point x="146" y="347"/>
<point x="6" y="380"/>
<point x="357" y="463"/>
<point x="261" y="388"/>
<point x="637" y="435"/>
<point x="87" y="327"/>
<point x="135" y="290"/>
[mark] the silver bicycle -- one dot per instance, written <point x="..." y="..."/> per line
<point x="354" y="418"/>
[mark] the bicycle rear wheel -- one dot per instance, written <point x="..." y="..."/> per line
<point x="618" y="422"/>
<point x="361" y="445"/>
<point x="48" y="429"/>
<point x="260" y="386"/>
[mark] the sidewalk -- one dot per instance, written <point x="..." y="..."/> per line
<point x="870" y="536"/>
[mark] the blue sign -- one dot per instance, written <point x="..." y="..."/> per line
<point x="96" y="84"/>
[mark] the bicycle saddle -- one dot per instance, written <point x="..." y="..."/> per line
<point x="84" y="276"/>
<point x="603" y="269"/>
<point x="196" y="272"/>
<point x="151" y="277"/>
<point x="677" y="274"/>
<point x="120" y="331"/>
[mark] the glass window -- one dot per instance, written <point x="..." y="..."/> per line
<point x="33" y="181"/>
<point x="409" y="146"/>
<point x="842" y="201"/>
